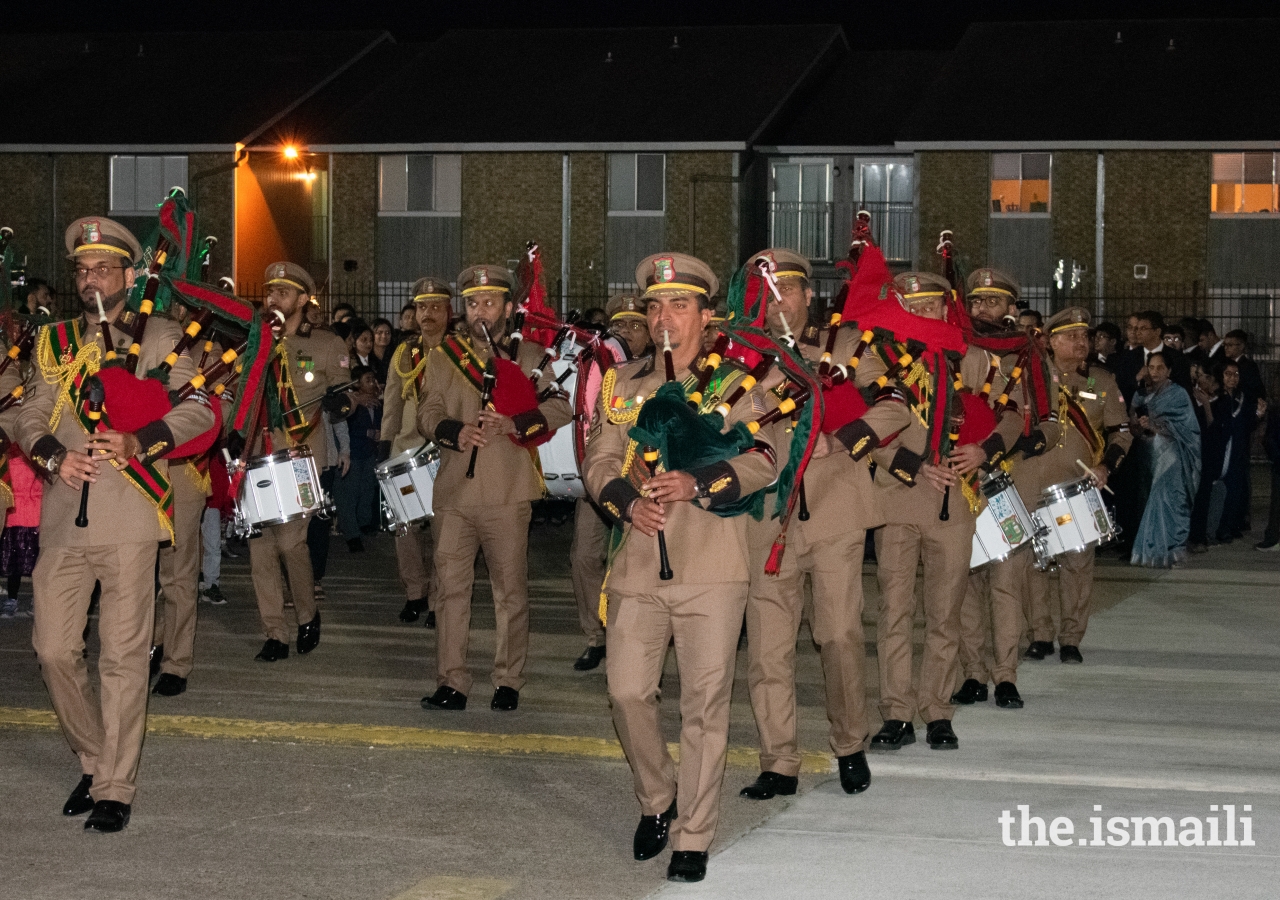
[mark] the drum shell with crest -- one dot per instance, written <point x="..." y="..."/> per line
<point x="560" y="458"/>
<point x="407" y="484"/>
<point x="1004" y="526"/>
<point x="278" y="488"/>
<point x="1074" y="516"/>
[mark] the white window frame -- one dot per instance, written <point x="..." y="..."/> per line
<point x="1275" y="178"/>
<point x="180" y="161"/>
<point x="1020" y="214"/>
<point x="860" y="161"/>
<point x="829" y="189"/>
<point x="385" y="158"/>
<point x="635" y="186"/>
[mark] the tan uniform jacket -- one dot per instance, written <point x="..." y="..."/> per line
<point x="323" y="354"/>
<point x="118" y="511"/>
<point x="838" y="490"/>
<point x="505" y="472"/>
<point x="400" y="399"/>
<point x="1099" y="397"/>
<point x="703" y="548"/>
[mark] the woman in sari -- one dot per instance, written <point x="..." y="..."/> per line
<point x="1167" y="421"/>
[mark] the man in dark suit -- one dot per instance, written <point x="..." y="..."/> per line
<point x="1234" y="346"/>
<point x="1149" y="334"/>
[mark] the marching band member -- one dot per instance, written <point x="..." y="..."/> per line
<point x="918" y="530"/>
<point x="828" y="546"/>
<point x="486" y="484"/>
<point x="694" y="596"/>
<point x="127" y="513"/>
<point x="1095" y="431"/>
<point x="314" y="361"/>
<point x="998" y="591"/>
<point x="405" y="386"/>
<point x="630" y="340"/>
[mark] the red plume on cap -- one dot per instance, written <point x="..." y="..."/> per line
<point x="541" y="322"/>
<point x="873" y="303"/>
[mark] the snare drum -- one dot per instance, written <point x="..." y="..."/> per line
<point x="279" y="488"/>
<point x="559" y="463"/>
<point x="1075" y="516"/>
<point x="407" y="483"/>
<point x="1004" y="526"/>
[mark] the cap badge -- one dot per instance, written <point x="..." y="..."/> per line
<point x="631" y="305"/>
<point x="986" y="279"/>
<point x="482" y="277"/>
<point x="664" y="269"/>
<point x="91" y="232"/>
<point x="281" y="272"/>
<point x="913" y="286"/>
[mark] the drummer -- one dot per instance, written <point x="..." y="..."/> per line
<point x="629" y="330"/>
<point x="431" y="299"/>
<point x="314" y="362"/>
<point x="1095" y="433"/>
<point x="995" y="593"/>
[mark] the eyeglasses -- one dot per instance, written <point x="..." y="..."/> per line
<point x="633" y="327"/>
<point x="99" y="271"/>
<point x="991" y="301"/>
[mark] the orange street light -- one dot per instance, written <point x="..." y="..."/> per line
<point x="290" y="151"/>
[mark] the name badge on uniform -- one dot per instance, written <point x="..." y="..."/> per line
<point x="1087" y="395"/>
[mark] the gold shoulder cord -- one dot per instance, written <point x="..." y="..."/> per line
<point x="63" y="375"/>
<point x="408" y="377"/>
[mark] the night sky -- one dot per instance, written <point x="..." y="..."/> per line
<point x="924" y="24"/>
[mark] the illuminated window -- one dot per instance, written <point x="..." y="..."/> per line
<point x="1020" y="183"/>
<point x="1244" y="183"/>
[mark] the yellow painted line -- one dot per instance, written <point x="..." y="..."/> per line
<point x="452" y="887"/>
<point x="398" y="737"/>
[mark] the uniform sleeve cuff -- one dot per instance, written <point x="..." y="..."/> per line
<point x="45" y="453"/>
<point x="617" y="497"/>
<point x="1113" y="457"/>
<point x="156" y="440"/>
<point x="447" y="433"/>
<point x="905" y="466"/>
<point x="993" y="446"/>
<point x="1032" y="444"/>
<point x="718" y="483"/>
<point x="529" y="425"/>
<point x="858" y="438"/>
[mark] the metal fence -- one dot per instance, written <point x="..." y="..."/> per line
<point x="820" y="231"/>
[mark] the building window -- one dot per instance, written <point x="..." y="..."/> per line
<point x="885" y="189"/>
<point x="420" y="184"/>
<point x="139" y="184"/>
<point x="800" y="207"/>
<point x="1020" y="183"/>
<point x="637" y="183"/>
<point x="1244" y="184"/>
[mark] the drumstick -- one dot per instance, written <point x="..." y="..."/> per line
<point x="1089" y="472"/>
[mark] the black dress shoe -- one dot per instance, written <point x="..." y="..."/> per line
<point x="687" y="866"/>
<point x="169" y="685"/>
<point x="1039" y="650"/>
<point x="651" y="833"/>
<point x="1069" y="654"/>
<point x="413" y="609"/>
<point x="156" y="657"/>
<point x="972" y="691"/>
<point x="1007" y="696"/>
<point x="590" y="659"/>
<point x="505" y="699"/>
<point x="309" y="635"/>
<point x="79" y="802"/>
<point x="108" y="817"/>
<point x="768" y="785"/>
<point x="445" y="697"/>
<point x="855" y="774"/>
<point x="273" y="650"/>
<point x="894" y="733"/>
<point x="431" y="618"/>
<point x="940" y="735"/>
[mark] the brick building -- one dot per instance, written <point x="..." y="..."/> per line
<point x="1096" y="161"/>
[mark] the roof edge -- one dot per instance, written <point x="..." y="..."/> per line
<point x="117" y="148"/>
<point x="530" y="147"/>
<point x="914" y="146"/>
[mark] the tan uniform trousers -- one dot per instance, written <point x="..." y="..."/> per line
<point x="105" y="730"/>
<point x="503" y="533"/>
<point x="415" y="552"/>
<point x="180" y="578"/>
<point x="1075" y="593"/>
<point x="945" y="551"/>
<point x="587" y="556"/>
<point x="774" y="608"/>
<point x="705" y="621"/>
<point x="1005" y="584"/>
<point x="287" y="543"/>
